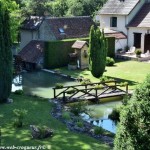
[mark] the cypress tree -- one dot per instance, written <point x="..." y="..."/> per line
<point x="5" y="54"/>
<point x="97" y="52"/>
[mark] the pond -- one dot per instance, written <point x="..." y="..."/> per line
<point x="41" y="83"/>
<point x="98" y="115"/>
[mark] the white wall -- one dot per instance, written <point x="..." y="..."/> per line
<point x="105" y="22"/>
<point x="120" y="44"/>
<point x="133" y="30"/>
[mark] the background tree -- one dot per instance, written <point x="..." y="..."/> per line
<point x="5" y="53"/>
<point x="134" y="127"/>
<point x="97" y="52"/>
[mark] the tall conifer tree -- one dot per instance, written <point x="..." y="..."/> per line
<point x="97" y="52"/>
<point x="5" y="53"/>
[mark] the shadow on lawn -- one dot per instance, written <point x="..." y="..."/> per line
<point x="130" y="83"/>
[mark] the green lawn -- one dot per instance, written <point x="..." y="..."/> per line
<point x="124" y="71"/>
<point x="39" y="114"/>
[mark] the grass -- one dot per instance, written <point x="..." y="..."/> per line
<point x="132" y="72"/>
<point x="39" y="114"/>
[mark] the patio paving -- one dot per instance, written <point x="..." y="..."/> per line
<point x="133" y="57"/>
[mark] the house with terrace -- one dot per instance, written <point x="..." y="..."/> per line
<point x="128" y="21"/>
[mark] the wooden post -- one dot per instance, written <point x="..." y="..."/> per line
<point x="64" y="98"/>
<point x="96" y="95"/>
<point x="127" y="88"/>
<point x="54" y="93"/>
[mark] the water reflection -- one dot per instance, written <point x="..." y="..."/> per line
<point x="99" y="115"/>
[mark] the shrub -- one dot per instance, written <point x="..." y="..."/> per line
<point x="115" y="114"/>
<point x="104" y="79"/>
<point x="71" y="91"/>
<point x="19" y="92"/>
<point x="98" y="86"/>
<point x="59" y="85"/>
<point x="110" y="61"/>
<point x="66" y="115"/>
<point x="78" y="108"/>
<point x="138" y="52"/>
<point x="19" y="114"/>
<point x="98" y="130"/>
<point x="85" y="81"/>
<point x="123" y="84"/>
<point x="80" y="124"/>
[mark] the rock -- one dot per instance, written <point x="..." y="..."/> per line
<point x="9" y="101"/>
<point x="40" y="132"/>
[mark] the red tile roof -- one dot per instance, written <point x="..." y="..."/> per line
<point x="79" y="44"/>
<point x="32" y="52"/>
<point x="117" y="35"/>
<point x="142" y="19"/>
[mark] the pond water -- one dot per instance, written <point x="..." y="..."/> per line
<point x="41" y="83"/>
<point x="98" y="115"/>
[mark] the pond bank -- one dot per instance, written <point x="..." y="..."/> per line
<point x="87" y="129"/>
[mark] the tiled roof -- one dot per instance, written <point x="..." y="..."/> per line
<point x="32" y="52"/>
<point x="32" y="23"/>
<point x="114" y="33"/>
<point x="79" y="44"/>
<point x="117" y="35"/>
<point x="118" y="7"/>
<point x="142" y="19"/>
<point x="70" y="27"/>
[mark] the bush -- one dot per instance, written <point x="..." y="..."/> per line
<point x="109" y="61"/>
<point x="115" y="114"/>
<point x="66" y="115"/>
<point x="19" y="114"/>
<point x="19" y="92"/>
<point x="98" y="130"/>
<point x="78" y="108"/>
<point x="138" y="52"/>
<point x="133" y="132"/>
<point x="59" y="85"/>
<point x="71" y="91"/>
<point x="80" y="124"/>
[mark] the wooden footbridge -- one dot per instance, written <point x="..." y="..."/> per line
<point x="91" y="91"/>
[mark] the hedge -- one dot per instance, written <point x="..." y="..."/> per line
<point x="56" y="52"/>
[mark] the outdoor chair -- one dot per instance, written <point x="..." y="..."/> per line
<point x="131" y="50"/>
<point x="147" y="54"/>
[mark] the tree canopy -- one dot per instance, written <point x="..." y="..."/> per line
<point x="59" y="8"/>
<point x="134" y="127"/>
<point x="5" y="52"/>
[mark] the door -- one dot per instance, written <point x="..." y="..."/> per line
<point x="137" y="40"/>
<point x="147" y="43"/>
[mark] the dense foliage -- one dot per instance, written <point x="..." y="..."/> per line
<point x="134" y="127"/>
<point x="58" y="8"/>
<point x="5" y="53"/>
<point x="97" y="52"/>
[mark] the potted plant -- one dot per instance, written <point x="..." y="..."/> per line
<point x="138" y="53"/>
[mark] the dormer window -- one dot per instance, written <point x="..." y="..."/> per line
<point x="61" y="30"/>
<point x="113" y="22"/>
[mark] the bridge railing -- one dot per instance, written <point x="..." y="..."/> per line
<point x="90" y="89"/>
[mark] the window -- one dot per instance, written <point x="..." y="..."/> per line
<point x="113" y="22"/>
<point x="61" y="30"/>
